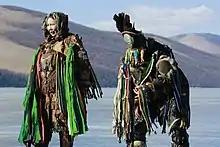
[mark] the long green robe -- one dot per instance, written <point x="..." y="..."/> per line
<point x="31" y="129"/>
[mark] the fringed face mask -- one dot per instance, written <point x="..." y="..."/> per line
<point x="52" y="27"/>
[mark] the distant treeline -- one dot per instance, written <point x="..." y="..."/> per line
<point x="106" y="79"/>
<point x="11" y="79"/>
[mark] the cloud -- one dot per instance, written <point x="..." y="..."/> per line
<point x="164" y="21"/>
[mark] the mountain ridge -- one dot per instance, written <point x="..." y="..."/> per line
<point x="104" y="48"/>
<point x="206" y="42"/>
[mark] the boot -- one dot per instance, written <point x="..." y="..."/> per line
<point x="27" y="144"/>
<point x="138" y="144"/>
<point x="183" y="145"/>
<point x="180" y="138"/>
<point x="65" y="139"/>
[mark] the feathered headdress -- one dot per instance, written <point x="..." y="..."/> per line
<point x="123" y="22"/>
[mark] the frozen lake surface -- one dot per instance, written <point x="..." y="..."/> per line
<point x="204" y="130"/>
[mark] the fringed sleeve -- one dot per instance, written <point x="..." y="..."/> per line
<point x="80" y="83"/>
<point x="118" y="106"/>
<point x="86" y="77"/>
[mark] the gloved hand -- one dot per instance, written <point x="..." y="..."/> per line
<point x="164" y="79"/>
<point x="150" y="86"/>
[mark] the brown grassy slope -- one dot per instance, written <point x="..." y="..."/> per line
<point x="208" y="43"/>
<point x="14" y="57"/>
<point x="20" y="33"/>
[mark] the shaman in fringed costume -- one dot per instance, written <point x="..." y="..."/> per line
<point x="59" y="83"/>
<point x="151" y="90"/>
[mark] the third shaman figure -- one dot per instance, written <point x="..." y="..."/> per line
<point x="151" y="89"/>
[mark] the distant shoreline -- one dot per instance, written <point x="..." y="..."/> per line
<point x="194" y="87"/>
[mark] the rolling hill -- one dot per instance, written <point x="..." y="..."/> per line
<point x="20" y="34"/>
<point x="206" y="42"/>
